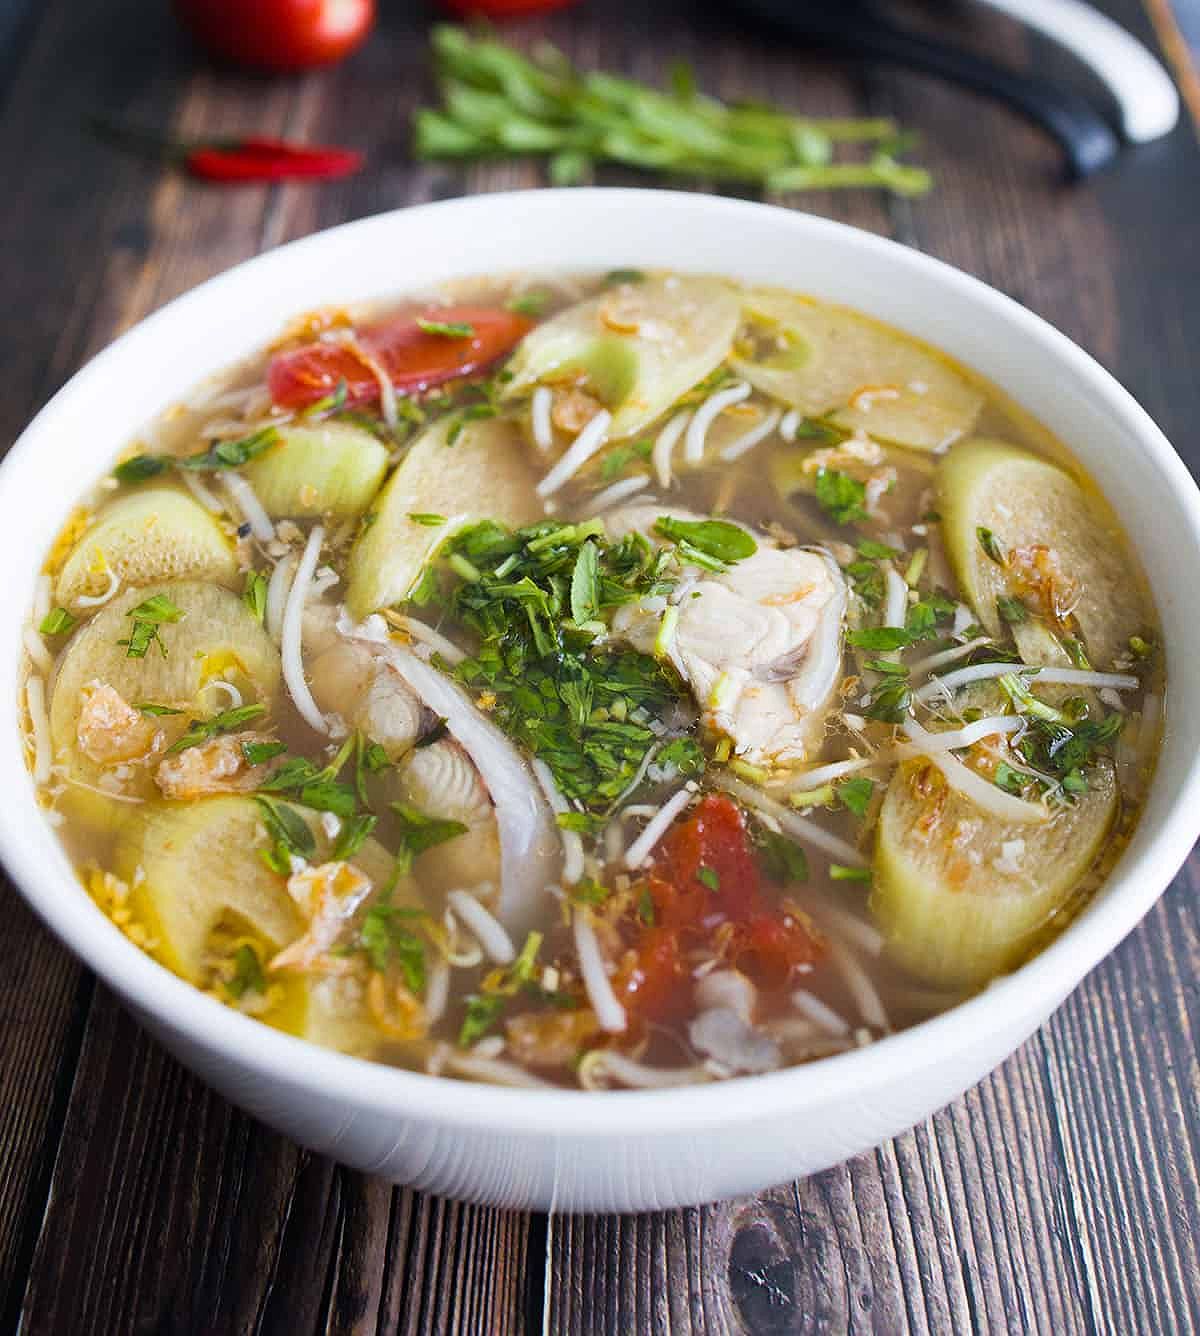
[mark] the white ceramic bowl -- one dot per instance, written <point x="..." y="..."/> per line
<point x="613" y="1151"/>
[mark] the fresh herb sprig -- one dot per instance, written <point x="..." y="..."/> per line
<point x="496" y="102"/>
<point x="537" y="598"/>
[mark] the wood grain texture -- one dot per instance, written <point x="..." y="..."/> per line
<point x="1061" y="1195"/>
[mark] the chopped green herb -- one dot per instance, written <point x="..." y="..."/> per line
<point x="140" y="468"/>
<point x="866" y="579"/>
<point x="839" y="872"/>
<point x="248" y="976"/>
<point x="718" y="539"/>
<point x="427" y="518"/>
<point x="150" y="708"/>
<point x="419" y="832"/>
<point x="888" y="667"/>
<point x="228" y="721"/>
<point x="289" y="835"/>
<point x="1006" y="778"/>
<point x="615" y="277"/>
<point x="258" y="753"/>
<point x="353" y="835"/>
<point x="454" y="329"/>
<point x="680" y="757"/>
<point x="329" y="403"/>
<point x="991" y="545"/>
<point x="646" y="911"/>
<point x="254" y="595"/>
<point x="880" y="638"/>
<point x="782" y="859"/>
<point x="588" y="892"/>
<point x="482" y="1013"/>
<point x="1011" y="610"/>
<point x="156" y="611"/>
<point x="615" y="461"/>
<point x="384" y="937"/>
<point x="231" y="454"/>
<point x="855" y="794"/>
<point x="868" y="547"/>
<point x="1076" y="653"/>
<point x="890" y="702"/>
<point x="840" y="496"/>
<point x="708" y="876"/>
<point x="57" y="622"/>
<point x="585" y="584"/>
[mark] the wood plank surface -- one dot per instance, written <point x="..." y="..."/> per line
<point x="1061" y="1195"/>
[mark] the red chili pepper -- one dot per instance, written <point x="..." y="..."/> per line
<point x="259" y="159"/>
<point x="248" y="158"/>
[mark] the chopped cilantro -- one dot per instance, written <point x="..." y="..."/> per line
<point x="842" y="497"/>
<point x="352" y="835"/>
<point x="384" y="937"/>
<point x="156" y="611"/>
<point x="258" y="753"/>
<point x="419" y="832"/>
<point x="228" y="721"/>
<point x="289" y="835"/>
<point x="708" y="876"/>
<point x="867" y="547"/>
<point x="855" y="794"/>
<point x="717" y="539"/>
<point x="880" y="638"/>
<point x="150" y="708"/>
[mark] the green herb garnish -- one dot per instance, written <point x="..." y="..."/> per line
<point x="708" y="876"/>
<point x="254" y="595"/>
<point x="156" y="611"/>
<point x="840" y="496"/>
<point x="453" y="329"/>
<point x="258" y="753"/>
<point x="58" y="622"/>
<point x="427" y="518"/>
<point x="482" y="1013"/>
<point x="248" y="976"/>
<point x="228" y="721"/>
<point x="1011" y="610"/>
<point x="497" y="102"/>
<point x="718" y="539"/>
<point x="289" y="835"/>
<point x="855" y="794"/>
<point x="991" y="546"/>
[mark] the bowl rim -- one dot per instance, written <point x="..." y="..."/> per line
<point x="1028" y="993"/>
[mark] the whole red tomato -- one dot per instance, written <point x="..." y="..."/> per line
<point x="279" y="34"/>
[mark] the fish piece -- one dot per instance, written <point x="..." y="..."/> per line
<point x="349" y="679"/>
<point x="759" y="644"/>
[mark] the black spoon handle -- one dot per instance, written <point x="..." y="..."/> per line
<point x="1085" y="137"/>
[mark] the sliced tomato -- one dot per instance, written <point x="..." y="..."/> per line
<point x="705" y="887"/>
<point x="654" y="984"/>
<point x="413" y="358"/>
<point x="708" y="861"/>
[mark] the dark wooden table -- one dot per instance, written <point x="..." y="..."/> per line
<point x="1061" y="1195"/>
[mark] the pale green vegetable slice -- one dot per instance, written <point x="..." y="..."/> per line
<point x="1026" y="502"/>
<point x="961" y="896"/>
<point x="637" y="347"/>
<point x="458" y="472"/>
<point x="217" y="637"/>
<point x="197" y="866"/>
<point x="147" y="536"/>
<point x="826" y="361"/>
<point x="331" y="469"/>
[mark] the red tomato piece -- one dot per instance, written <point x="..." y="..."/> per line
<point x="278" y="34"/>
<point x="708" y="859"/>
<point x="656" y="986"/>
<point x="414" y="358"/>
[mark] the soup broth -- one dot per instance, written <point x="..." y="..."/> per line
<point x="603" y="681"/>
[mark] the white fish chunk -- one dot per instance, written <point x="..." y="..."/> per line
<point x="759" y="644"/>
